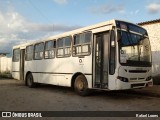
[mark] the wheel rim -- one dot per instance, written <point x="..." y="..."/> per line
<point x="80" y="85"/>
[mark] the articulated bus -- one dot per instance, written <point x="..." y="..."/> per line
<point x="112" y="55"/>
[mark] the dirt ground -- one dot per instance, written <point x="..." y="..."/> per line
<point x="14" y="96"/>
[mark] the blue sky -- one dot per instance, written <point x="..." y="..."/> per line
<point x="25" y="20"/>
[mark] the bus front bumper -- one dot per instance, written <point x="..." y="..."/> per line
<point x="133" y="85"/>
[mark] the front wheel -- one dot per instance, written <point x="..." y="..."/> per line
<point x="30" y="81"/>
<point x="81" y="86"/>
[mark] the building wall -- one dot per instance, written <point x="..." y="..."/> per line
<point x="154" y="35"/>
<point x="5" y="65"/>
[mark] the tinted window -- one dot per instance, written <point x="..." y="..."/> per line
<point x="64" y="47"/>
<point x="82" y="44"/>
<point x="16" y="55"/>
<point x="29" y="52"/>
<point x="132" y="27"/>
<point x="60" y="43"/>
<point x="38" y="51"/>
<point x="49" y="49"/>
<point x="82" y="38"/>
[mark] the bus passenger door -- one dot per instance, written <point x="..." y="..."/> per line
<point x="22" y="59"/>
<point x="101" y="60"/>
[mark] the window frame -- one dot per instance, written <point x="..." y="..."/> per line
<point x="29" y="53"/>
<point x="54" y="48"/>
<point x="42" y="51"/>
<point x="57" y="48"/>
<point x="82" y="44"/>
<point x="13" y="56"/>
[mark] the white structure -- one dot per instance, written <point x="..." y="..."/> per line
<point x="112" y="55"/>
<point x="153" y="29"/>
<point x="5" y="64"/>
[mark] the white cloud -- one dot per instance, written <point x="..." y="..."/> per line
<point x="134" y="12"/>
<point x="60" y="1"/>
<point x="11" y="23"/>
<point x="153" y="8"/>
<point x="15" y="29"/>
<point x="106" y="9"/>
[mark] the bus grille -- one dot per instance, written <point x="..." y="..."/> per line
<point x="137" y="71"/>
<point x="133" y="79"/>
<point x="137" y="85"/>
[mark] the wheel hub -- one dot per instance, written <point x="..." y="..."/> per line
<point x="80" y="85"/>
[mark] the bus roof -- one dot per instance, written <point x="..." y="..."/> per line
<point x="87" y="28"/>
<point x="83" y="29"/>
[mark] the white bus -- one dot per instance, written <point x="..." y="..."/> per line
<point x="112" y="55"/>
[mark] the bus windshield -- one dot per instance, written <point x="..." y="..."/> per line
<point x="134" y="49"/>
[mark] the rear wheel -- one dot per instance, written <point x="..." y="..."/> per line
<point x="81" y="86"/>
<point x="30" y="81"/>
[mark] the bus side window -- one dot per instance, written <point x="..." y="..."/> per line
<point x="29" y="53"/>
<point x="49" y="49"/>
<point x="64" y="47"/>
<point x="16" y="55"/>
<point x="82" y="44"/>
<point x="112" y="61"/>
<point x="38" y="51"/>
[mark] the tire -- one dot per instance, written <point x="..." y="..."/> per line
<point x="81" y="86"/>
<point x="30" y="81"/>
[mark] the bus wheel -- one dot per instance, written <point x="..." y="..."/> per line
<point x="81" y="86"/>
<point x="30" y="81"/>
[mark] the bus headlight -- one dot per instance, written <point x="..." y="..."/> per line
<point x="149" y="78"/>
<point x="123" y="79"/>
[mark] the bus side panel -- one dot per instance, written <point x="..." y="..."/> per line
<point x="59" y="71"/>
<point x="46" y="71"/>
<point x="16" y="70"/>
<point x="67" y="65"/>
<point x="89" y="80"/>
<point x="112" y="82"/>
<point x="30" y="66"/>
<point x="56" y="79"/>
